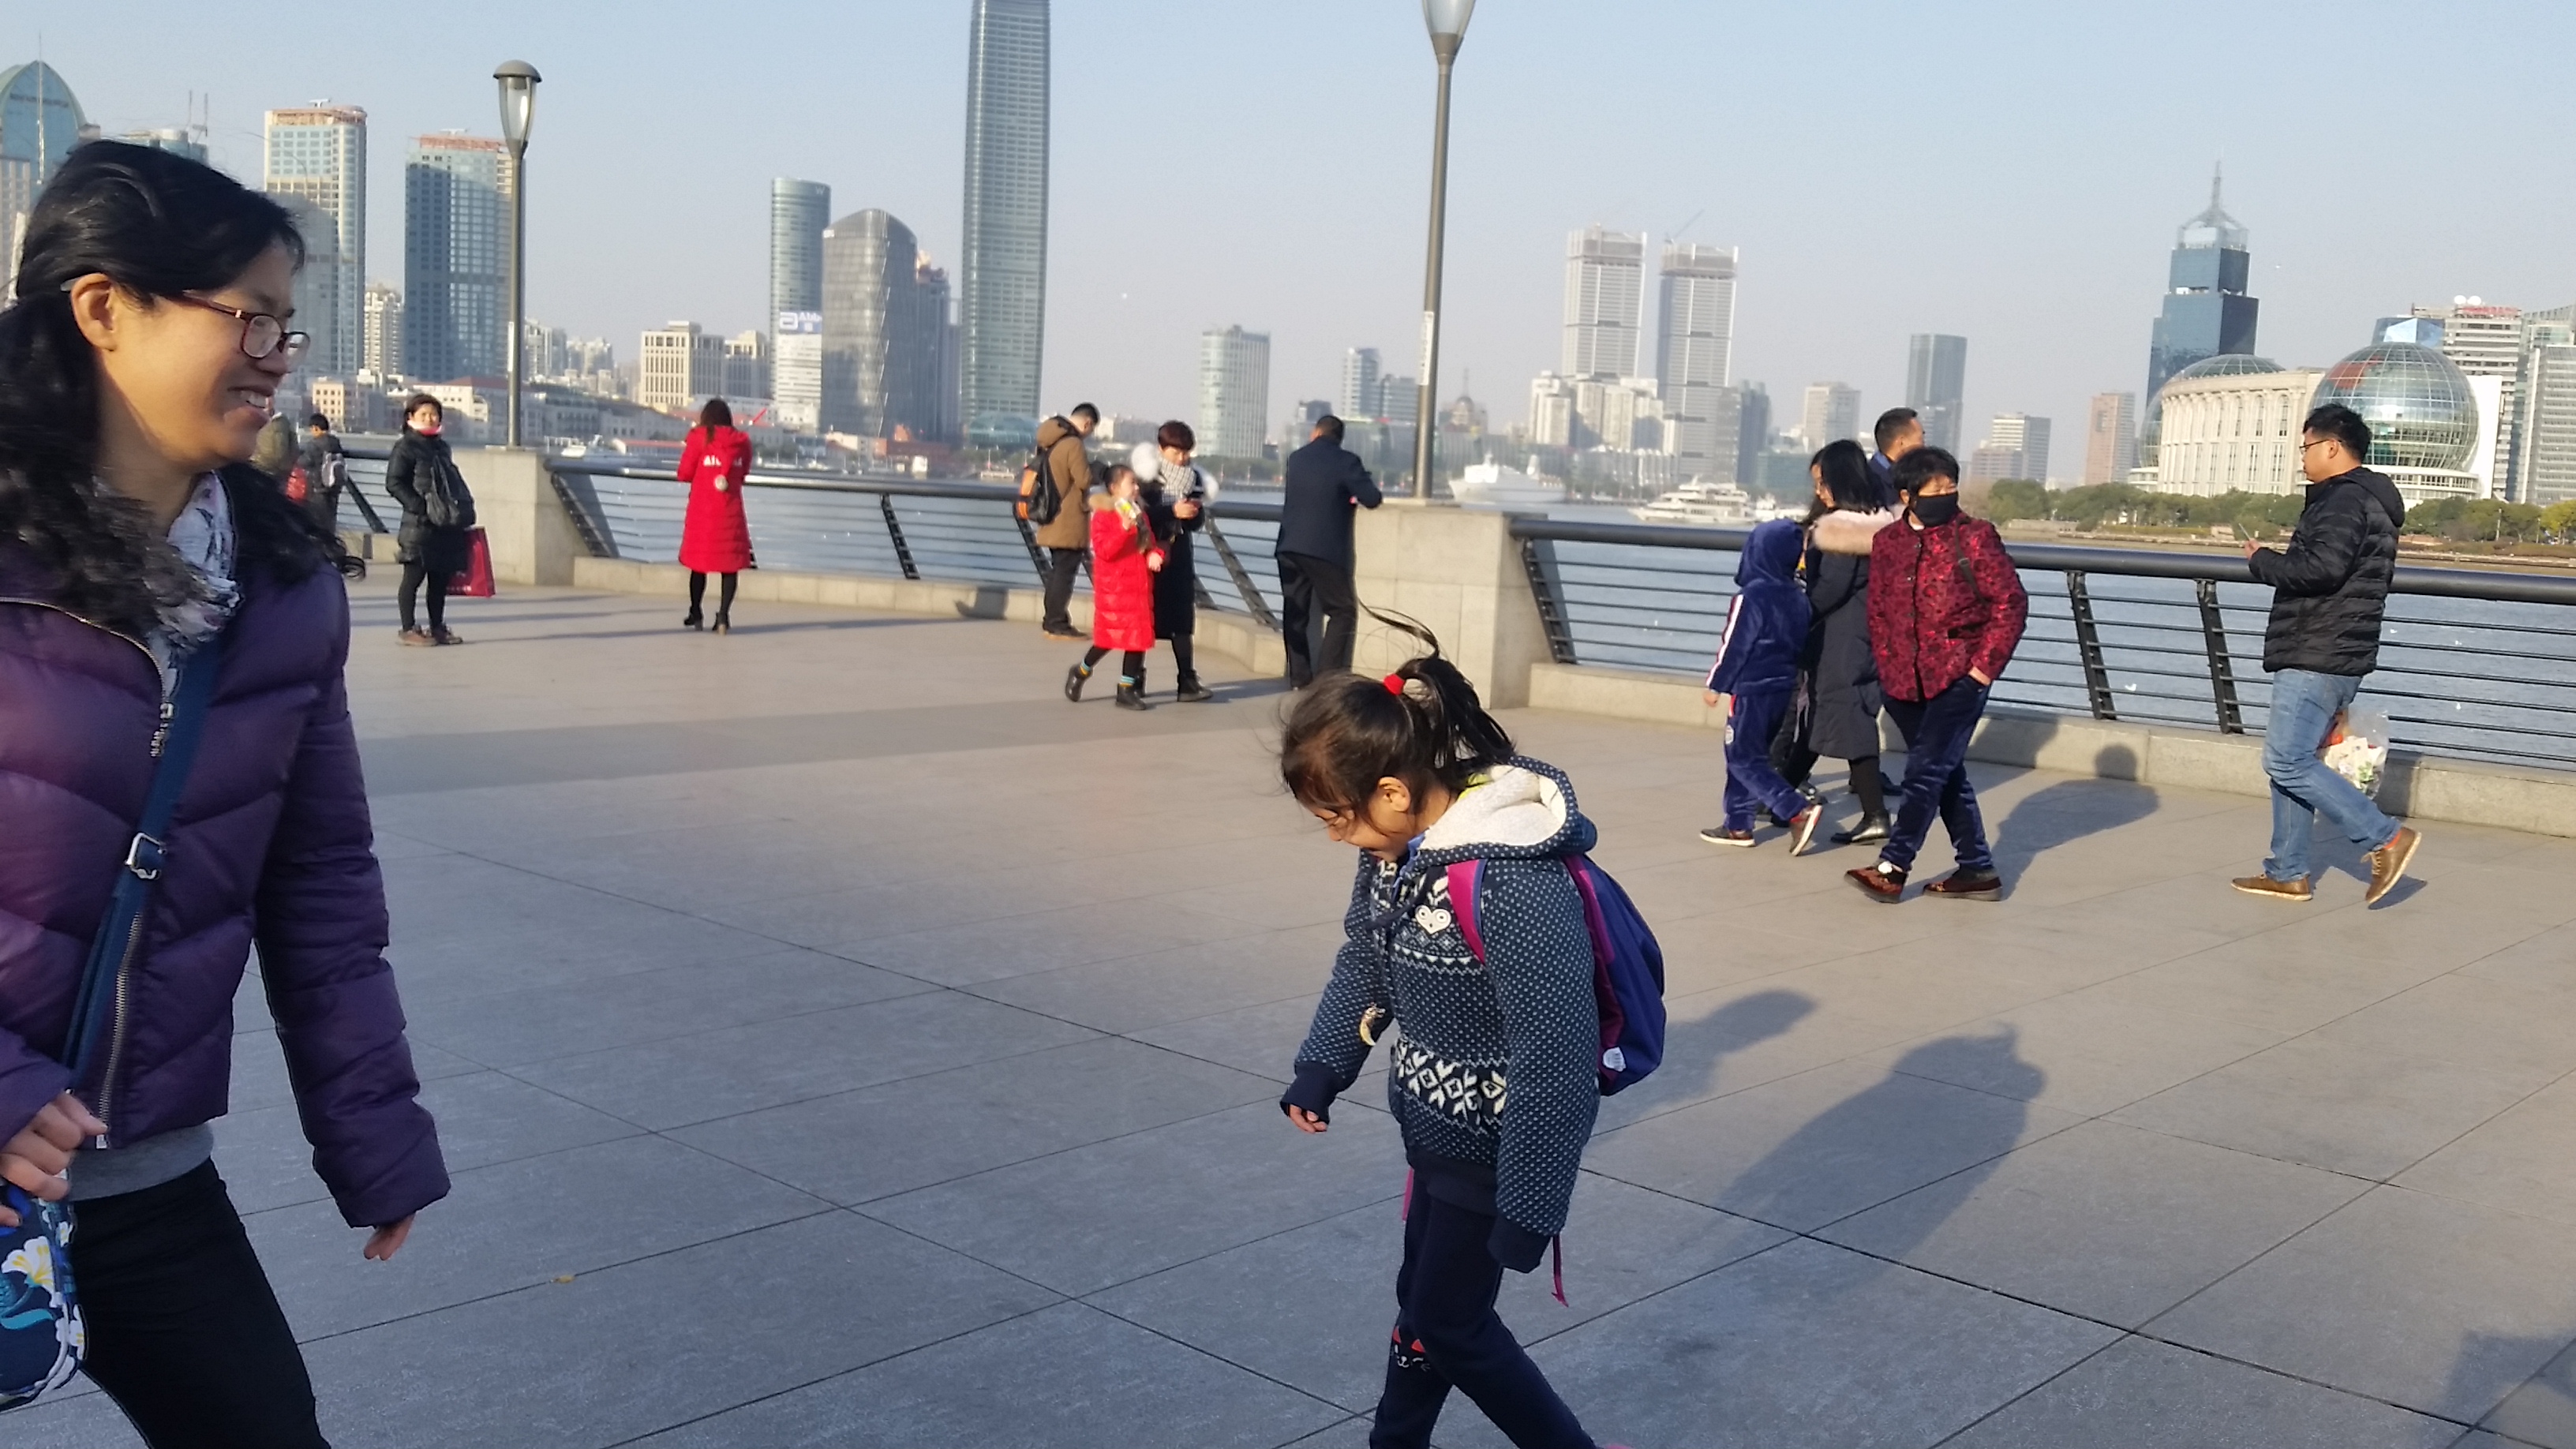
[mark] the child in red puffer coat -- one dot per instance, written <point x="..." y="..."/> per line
<point x="1125" y="556"/>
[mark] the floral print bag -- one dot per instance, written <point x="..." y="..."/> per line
<point x="40" y="1321"/>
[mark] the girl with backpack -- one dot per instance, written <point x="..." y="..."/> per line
<point x="714" y="538"/>
<point x="155" y="592"/>
<point x="1124" y="560"/>
<point x="1496" y="1080"/>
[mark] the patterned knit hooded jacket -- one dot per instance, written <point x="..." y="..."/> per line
<point x="1493" y="1081"/>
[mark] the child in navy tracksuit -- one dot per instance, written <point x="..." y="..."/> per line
<point x="1413" y="771"/>
<point x="1757" y="664"/>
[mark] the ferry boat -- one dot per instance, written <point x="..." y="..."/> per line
<point x="1492" y="485"/>
<point x="1701" y="505"/>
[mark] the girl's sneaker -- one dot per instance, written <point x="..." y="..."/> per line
<point x="1073" y="681"/>
<point x="1720" y="835"/>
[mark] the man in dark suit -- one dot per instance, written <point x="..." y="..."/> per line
<point x="1324" y="484"/>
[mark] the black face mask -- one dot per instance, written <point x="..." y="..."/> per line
<point x="1934" y="509"/>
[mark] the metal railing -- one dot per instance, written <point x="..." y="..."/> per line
<point x="2471" y="663"/>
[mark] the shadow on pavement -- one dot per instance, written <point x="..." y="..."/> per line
<point x="2069" y="810"/>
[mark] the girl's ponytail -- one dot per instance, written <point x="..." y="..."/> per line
<point x="1423" y="724"/>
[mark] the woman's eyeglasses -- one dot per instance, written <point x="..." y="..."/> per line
<point x="262" y="334"/>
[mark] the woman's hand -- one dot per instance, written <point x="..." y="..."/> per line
<point x="37" y="1157"/>
<point x="1982" y="681"/>
<point x="1307" y="1121"/>
<point x="386" y="1241"/>
<point x="1185" y="509"/>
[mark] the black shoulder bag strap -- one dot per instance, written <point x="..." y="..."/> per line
<point x="120" y="933"/>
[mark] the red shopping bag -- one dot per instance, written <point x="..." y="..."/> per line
<point x="476" y="581"/>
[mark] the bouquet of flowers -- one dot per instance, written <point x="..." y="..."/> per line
<point x="2357" y="748"/>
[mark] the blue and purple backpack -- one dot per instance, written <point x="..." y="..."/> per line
<point x="1627" y="966"/>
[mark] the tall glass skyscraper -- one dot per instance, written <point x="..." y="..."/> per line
<point x="1695" y="349"/>
<point x="316" y="162"/>
<point x="2206" y="312"/>
<point x="798" y="212"/>
<point x="1001" y="283"/>
<point x="885" y="322"/>
<point x="456" y="216"/>
<point x="40" y="123"/>
<point x="1936" y="385"/>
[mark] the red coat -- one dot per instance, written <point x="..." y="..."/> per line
<point x="715" y="539"/>
<point x="1122" y="579"/>
<point x="1942" y="601"/>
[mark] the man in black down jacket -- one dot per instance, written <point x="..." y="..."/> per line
<point x="1324" y="484"/>
<point x="2330" y="589"/>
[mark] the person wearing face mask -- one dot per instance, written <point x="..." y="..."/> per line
<point x="436" y="543"/>
<point x="1946" y="611"/>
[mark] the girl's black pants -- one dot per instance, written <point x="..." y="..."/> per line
<point x="1447" y="1334"/>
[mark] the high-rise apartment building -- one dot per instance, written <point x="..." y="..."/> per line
<point x="456" y="213"/>
<point x="1752" y="430"/>
<point x="2016" y="446"/>
<point x="884" y="325"/>
<point x="798" y="213"/>
<point x="935" y="323"/>
<point x="1551" y="411"/>
<point x="796" y="371"/>
<point x="2545" y="463"/>
<point x="316" y="161"/>
<point x="1001" y="283"/>
<point x="40" y="123"/>
<point x="746" y="372"/>
<point x="2487" y="342"/>
<point x="177" y="140"/>
<point x="1234" y="392"/>
<point x="1832" y="412"/>
<point x="1399" y="401"/>
<point x="1695" y="345"/>
<point x="1363" y="394"/>
<point x="2206" y="312"/>
<point x="1604" y="287"/>
<point x="2110" y="437"/>
<point x="681" y="366"/>
<point x="380" y="336"/>
<point x="1936" y="385"/>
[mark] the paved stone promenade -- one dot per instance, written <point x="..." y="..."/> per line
<point x="839" y="1039"/>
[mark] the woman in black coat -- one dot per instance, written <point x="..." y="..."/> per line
<point x="437" y="541"/>
<point x="1174" y="493"/>
<point x="1838" y="717"/>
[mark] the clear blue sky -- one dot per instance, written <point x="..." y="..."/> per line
<point x="2011" y="172"/>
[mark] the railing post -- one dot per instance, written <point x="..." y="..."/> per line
<point x="2088" y="647"/>
<point x="581" y="503"/>
<point x="1253" y="603"/>
<point x="2222" y="668"/>
<point x="894" y="530"/>
<point x="1549" y="590"/>
<point x="1029" y="536"/>
<point x="366" y="510"/>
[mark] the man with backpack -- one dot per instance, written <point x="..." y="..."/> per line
<point x="2330" y="591"/>
<point x="326" y="471"/>
<point x="1063" y="463"/>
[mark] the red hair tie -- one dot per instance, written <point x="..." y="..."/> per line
<point x="1395" y="685"/>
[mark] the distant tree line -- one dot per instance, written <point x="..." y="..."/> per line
<point x="2265" y="515"/>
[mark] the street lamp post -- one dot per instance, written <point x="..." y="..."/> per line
<point x="1447" y="22"/>
<point x="518" y="107"/>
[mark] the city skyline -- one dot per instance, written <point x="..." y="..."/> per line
<point x="2052" y="266"/>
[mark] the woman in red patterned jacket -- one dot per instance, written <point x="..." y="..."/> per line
<point x="1946" y="610"/>
<point x="1124" y="559"/>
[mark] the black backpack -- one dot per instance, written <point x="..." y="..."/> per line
<point x="1040" y="499"/>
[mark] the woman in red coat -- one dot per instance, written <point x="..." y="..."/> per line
<point x="714" y="539"/>
<point x="1124" y="559"/>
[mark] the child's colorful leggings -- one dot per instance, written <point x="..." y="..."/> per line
<point x="1751" y="778"/>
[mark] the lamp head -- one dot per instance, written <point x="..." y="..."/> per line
<point x="1447" y="22"/>
<point x="518" y="100"/>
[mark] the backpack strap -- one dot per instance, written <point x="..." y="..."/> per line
<point x="1464" y="877"/>
<point x="174" y="748"/>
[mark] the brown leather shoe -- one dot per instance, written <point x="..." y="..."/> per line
<point x="1963" y="885"/>
<point x="2388" y="864"/>
<point x="1881" y="882"/>
<point x="2294" y="891"/>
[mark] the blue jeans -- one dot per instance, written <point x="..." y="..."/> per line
<point x="2304" y="704"/>
<point x="1751" y="778"/>
<point x="1936" y="732"/>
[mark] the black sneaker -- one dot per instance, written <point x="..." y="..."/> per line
<point x="1073" y="681"/>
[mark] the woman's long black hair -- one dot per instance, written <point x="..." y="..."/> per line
<point x="1422" y="724"/>
<point x="160" y="225"/>
<point x="1849" y="481"/>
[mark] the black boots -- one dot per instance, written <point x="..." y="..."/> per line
<point x="1193" y="692"/>
<point x="696" y="619"/>
<point x="724" y="622"/>
<point x="1131" y="693"/>
<point x="1870" y="831"/>
<point x="1073" y="680"/>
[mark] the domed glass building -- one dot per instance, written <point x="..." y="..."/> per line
<point x="2225" y="364"/>
<point x="2423" y="418"/>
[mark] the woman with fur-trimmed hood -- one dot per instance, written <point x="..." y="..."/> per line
<point x="1838" y="717"/>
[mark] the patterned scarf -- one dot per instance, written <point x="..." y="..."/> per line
<point x="1177" y="478"/>
<point x="203" y="536"/>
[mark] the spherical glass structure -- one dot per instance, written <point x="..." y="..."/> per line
<point x="2417" y="402"/>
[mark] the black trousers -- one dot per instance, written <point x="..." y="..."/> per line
<point x="413" y="576"/>
<point x="1131" y="664"/>
<point x="1062" y="565"/>
<point x="1305" y="582"/>
<point x="1447" y="1334"/>
<point x="184" y="1332"/>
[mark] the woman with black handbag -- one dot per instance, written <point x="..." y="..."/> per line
<point x="154" y="592"/>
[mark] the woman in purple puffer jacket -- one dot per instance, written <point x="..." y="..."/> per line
<point x="137" y="366"/>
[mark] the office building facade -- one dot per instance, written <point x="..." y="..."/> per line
<point x="2016" y="446"/>
<point x="380" y="334"/>
<point x="1363" y="391"/>
<point x="884" y="326"/>
<point x="1604" y="288"/>
<point x="2206" y="312"/>
<point x="1695" y="357"/>
<point x="680" y="367"/>
<point x="2545" y="460"/>
<point x="746" y="374"/>
<point x="1234" y="392"/>
<point x="1831" y="410"/>
<point x="1936" y="385"/>
<point x="315" y="159"/>
<point x="1001" y="274"/>
<point x="798" y="213"/>
<point x="2486" y="344"/>
<point x="796" y="370"/>
<point x="2110" y="438"/>
<point x="2232" y="427"/>
<point x="1752" y="430"/>
<point x="456" y="217"/>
